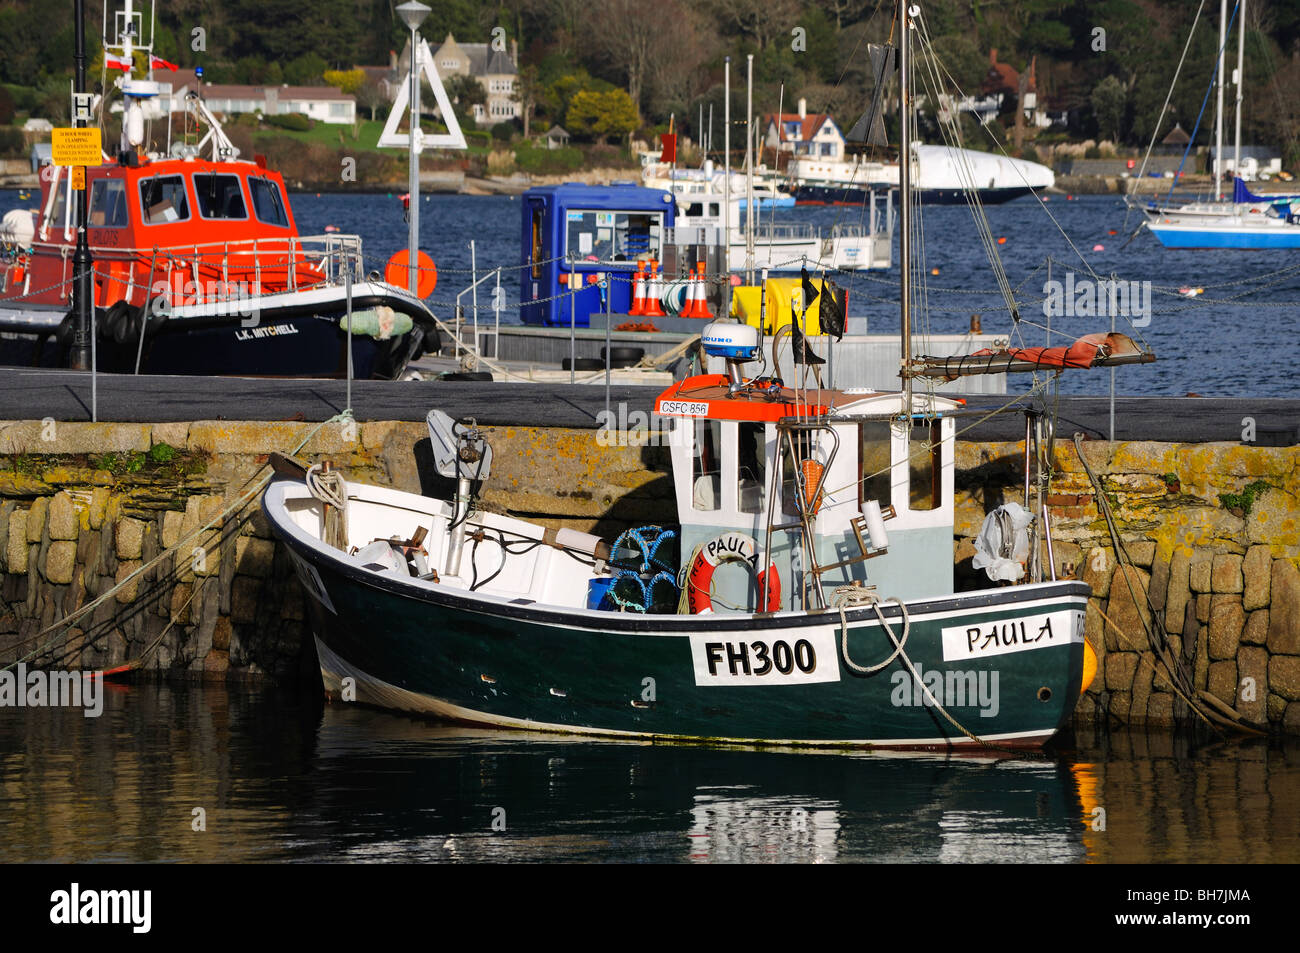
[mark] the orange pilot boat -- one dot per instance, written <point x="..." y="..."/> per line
<point x="198" y="268"/>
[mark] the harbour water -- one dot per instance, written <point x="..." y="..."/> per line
<point x="1216" y="343"/>
<point x="278" y="776"/>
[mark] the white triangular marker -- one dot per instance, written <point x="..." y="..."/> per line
<point x="453" y="138"/>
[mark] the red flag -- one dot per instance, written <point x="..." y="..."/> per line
<point x="157" y="62"/>
<point x="113" y="61"/>
<point x="669" y="142"/>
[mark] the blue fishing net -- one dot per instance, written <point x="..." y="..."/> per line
<point x="645" y="579"/>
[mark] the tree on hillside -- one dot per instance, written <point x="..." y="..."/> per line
<point x="630" y="41"/>
<point x="465" y="92"/>
<point x="371" y="96"/>
<point x="527" y="93"/>
<point x="305" y="70"/>
<point x="601" y="115"/>
<point x="764" y="20"/>
<point x="1109" y="98"/>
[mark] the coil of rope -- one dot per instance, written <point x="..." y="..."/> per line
<point x="845" y="597"/>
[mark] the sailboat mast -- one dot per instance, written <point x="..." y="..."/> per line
<point x="1241" y="76"/>
<point x="1218" y="117"/>
<point x="905" y="203"/>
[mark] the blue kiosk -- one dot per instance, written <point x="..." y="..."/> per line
<point x="573" y="234"/>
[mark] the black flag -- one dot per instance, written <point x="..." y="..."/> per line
<point x="870" y="129"/>
<point x="833" y="318"/>
<point x="803" y="354"/>
<point x="809" y="291"/>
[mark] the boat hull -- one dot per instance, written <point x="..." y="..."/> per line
<point x="832" y="194"/>
<point x="456" y="655"/>
<point x="290" y="337"/>
<point x="1203" y="236"/>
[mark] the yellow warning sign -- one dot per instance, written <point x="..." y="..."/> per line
<point x="79" y="178"/>
<point x="77" y="147"/>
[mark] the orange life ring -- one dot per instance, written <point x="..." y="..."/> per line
<point x="726" y="548"/>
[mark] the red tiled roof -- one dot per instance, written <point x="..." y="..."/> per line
<point x="810" y="124"/>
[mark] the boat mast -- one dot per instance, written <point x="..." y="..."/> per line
<point x="905" y="203"/>
<point x="749" y="169"/>
<point x="726" y="182"/>
<point x="1241" y="75"/>
<point x="1218" y="117"/>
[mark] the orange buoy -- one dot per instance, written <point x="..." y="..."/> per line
<point x="1089" y="666"/>
<point x="1002" y="240"/>
<point x="398" y="273"/>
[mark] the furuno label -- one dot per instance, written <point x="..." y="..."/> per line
<point x="683" y="408"/>
<point x="1003" y="636"/>
<point x="794" y="659"/>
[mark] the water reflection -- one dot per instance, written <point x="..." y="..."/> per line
<point x="279" y="777"/>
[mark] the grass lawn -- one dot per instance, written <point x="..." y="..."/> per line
<point x="367" y="136"/>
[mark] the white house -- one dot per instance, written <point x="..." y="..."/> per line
<point x="804" y="134"/>
<point x="323" y="103"/>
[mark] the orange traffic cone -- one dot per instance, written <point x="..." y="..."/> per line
<point x="688" y="304"/>
<point x="638" y="293"/>
<point x="701" y="295"/>
<point x="654" y="290"/>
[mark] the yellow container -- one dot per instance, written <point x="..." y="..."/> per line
<point x="746" y="304"/>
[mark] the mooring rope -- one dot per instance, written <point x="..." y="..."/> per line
<point x="238" y="505"/>
<point x="845" y="596"/>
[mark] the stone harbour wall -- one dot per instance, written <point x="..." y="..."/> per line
<point x="1212" y="537"/>
<point x="83" y="506"/>
<point x="1212" y="532"/>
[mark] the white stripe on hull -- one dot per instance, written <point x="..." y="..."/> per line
<point x="376" y="691"/>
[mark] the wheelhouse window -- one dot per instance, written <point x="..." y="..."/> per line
<point x="874" y="461"/>
<point x="108" y="204"/>
<point x="163" y="199"/>
<point x="925" y="465"/>
<point x="56" y="219"/>
<point x="219" y="196"/>
<point x="268" y="202"/>
<point x="612" y="236"/>
<point x="751" y="476"/>
<point x="706" y="493"/>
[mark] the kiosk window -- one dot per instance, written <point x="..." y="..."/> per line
<point x="612" y="236"/>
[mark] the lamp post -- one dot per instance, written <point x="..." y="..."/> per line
<point x="413" y="14"/>
<point x="80" y="356"/>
